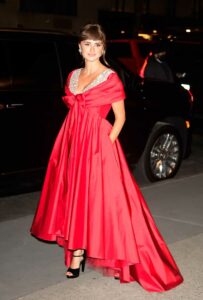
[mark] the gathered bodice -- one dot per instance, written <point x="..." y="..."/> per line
<point x="96" y="96"/>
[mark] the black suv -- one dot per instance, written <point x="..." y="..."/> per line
<point x="34" y="66"/>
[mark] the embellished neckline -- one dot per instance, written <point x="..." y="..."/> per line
<point x="99" y="79"/>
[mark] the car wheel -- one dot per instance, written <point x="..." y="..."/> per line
<point x="162" y="156"/>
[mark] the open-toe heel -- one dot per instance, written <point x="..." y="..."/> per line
<point x="76" y="272"/>
<point x="117" y="276"/>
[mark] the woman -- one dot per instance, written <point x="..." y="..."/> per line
<point x="90" y="203"/>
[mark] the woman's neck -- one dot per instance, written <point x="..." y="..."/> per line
<point x="92" y="67"/>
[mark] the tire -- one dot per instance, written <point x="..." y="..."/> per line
<point x="162" y="155"/>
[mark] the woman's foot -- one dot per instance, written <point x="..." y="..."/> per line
<point x="78" y="259"/>
<point x="117" y="275"/>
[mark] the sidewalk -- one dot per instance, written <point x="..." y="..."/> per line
<point x="34" y="270"/>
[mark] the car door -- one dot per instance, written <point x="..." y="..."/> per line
<point x="33" y="108"/>
<point x="5" y="86"/>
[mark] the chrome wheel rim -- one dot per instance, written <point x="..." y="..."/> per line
<point x="164" y="156"/>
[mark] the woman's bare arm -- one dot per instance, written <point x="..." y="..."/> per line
<point x="119" y="113"/>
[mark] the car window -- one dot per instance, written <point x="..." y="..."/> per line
<point x="34" y="65"/>
<point x="145" y="48"/>
<point x="4" y="69"/>
<point x="118" y="49"/>
<point x="69" y="57"/>
<point x="186" y="56"/>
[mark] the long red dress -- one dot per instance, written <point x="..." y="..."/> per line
<point x="90" y="199"/>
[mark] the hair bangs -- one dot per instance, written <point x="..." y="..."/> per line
<point x="92" y="32"/>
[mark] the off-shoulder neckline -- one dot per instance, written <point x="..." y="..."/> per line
<point x="102" y="77"/>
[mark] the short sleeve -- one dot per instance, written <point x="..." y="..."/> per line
<point x="68" y="97"/>
<point x="68" y="81"/>
<point x="115" y="88"/>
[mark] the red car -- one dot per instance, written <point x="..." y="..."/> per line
<point x="131" y="52"/>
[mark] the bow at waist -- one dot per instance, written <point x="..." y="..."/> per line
<point x="70" y="100"/>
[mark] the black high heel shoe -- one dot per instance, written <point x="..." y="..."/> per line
<point x="117" y="276"/>
<point x="76" y="272"/>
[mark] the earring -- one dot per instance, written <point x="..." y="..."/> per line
<point x="80" y="51"/>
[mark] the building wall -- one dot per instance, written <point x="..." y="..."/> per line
<point x="10" y="16"/>
<point x="8" y="13"/>
<point x="188" y="8"/>
<point x="157" y="7"/>
<point x="87" y="10"/>
<point x="183" y="8"/>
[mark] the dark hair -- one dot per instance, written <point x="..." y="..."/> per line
<point x="93" y="32"/>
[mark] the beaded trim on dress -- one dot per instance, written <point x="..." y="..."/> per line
<point x="99" y="79"/>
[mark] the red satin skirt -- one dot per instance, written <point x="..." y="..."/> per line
<point x="91" y="201"/>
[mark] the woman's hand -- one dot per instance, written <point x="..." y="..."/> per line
<point x="119" y="113"/>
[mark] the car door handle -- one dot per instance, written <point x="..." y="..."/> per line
<point x="13" y="105"/>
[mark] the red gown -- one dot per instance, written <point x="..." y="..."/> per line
<point x="91" y="201"/>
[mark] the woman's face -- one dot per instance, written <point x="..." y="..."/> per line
<point x="91" y="50"/>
